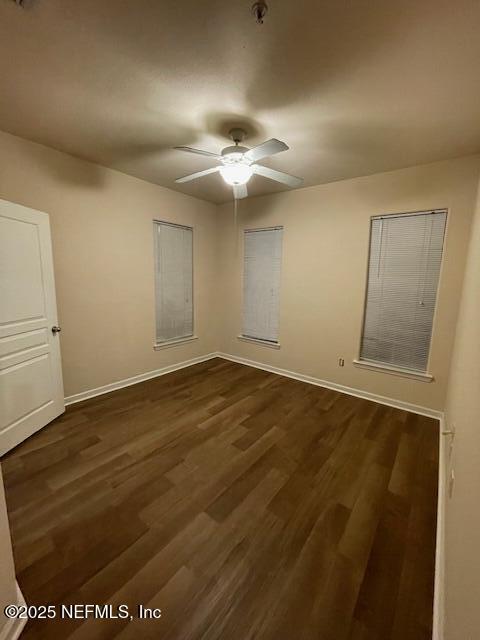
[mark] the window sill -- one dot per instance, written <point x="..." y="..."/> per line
<point x="263" y="343"/>
<point x="173" y="343"/>
<point x="396" y="371"/>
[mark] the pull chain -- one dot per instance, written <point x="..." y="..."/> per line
<point x="235" y="223"/>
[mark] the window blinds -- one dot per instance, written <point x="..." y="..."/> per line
<point x="261" y="283"/>
<point x="173" y="281"/>
<point x="403" y="272"/>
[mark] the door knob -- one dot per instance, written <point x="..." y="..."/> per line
<point x="56" y="329"/>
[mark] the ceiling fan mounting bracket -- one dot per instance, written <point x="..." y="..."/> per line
<point x="237" y="135"/>
<point x="259" y="10"/>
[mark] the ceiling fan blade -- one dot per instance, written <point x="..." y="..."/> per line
<point x="198" y="174"/>
<point x="199" y="152"/>
<point x="240" y="191"/>
<point x="278" y="176"/>
<point x="269" y="148"/>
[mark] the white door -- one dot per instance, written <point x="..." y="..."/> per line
<point x="31" y="387"/>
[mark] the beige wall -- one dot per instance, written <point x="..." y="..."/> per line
<point x="324" y="272"/>
<point x="462" y="570"/>
<point x="8" y="588"/>
<point x="102" y="237"/>
<point x="103" y="253"/>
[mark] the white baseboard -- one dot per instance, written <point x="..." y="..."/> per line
<point x="366" y="395"/>
<point x="127" y="382"/>
<point x="14" y="627"/>
<point x="439" y="596"/>
<point x="358" y="393"/>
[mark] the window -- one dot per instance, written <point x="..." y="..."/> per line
<point x="404" y="266"/>
<point x="261" y="284"/>
<point x="173" y="281"/>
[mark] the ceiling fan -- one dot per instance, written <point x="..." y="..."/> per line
<point x="238" y="164"/>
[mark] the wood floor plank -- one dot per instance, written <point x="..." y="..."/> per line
<point x="242" y="504"/>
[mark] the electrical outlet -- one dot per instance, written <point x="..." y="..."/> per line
<point x="341" y="362"/>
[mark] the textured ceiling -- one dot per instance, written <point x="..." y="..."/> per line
<point x="353" y="87"/>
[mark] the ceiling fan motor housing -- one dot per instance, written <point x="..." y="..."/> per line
<point x="233" y="153"/>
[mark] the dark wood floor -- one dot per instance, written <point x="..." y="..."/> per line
<point x="243" y="504"/>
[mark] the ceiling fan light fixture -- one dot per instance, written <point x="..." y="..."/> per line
<point x="236" y="173"/>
